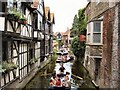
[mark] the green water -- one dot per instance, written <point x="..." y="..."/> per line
<point x="42" y="82"/>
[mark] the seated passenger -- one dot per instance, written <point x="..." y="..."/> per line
<point x="58" y="82"/>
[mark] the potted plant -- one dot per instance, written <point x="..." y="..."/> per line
<point x="23" y="20"/>
<point x="2" y="70"/>
<point x="8" y="66"/>
<point x="17" y="15"/>
<point x="5" y="66"/>
<point x="13" y="66"/>
<point x="33" y="60"/>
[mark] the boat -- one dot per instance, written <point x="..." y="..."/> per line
<point x="59" y="60"/>
<point x="59" y="88"/>
<point x="59" y="53"/>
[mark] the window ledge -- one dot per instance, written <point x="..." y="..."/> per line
<point x="94" y="44"/>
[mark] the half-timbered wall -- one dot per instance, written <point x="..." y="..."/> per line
<point x="23" y="59"/>
<point x="37" y="53"/>
<point x="10" y="54"/>
<point x="19" y="45"/>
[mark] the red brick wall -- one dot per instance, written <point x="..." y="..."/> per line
<point x="119" y="43"/>
<point x="108" y="23"/>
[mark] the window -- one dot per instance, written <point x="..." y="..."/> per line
<point x="97" y="68"/>
<point x="97" y="32"/>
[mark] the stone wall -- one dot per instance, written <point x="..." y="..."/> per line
<point x="96" y="51"/>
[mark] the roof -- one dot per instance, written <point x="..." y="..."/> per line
<point x="47" y="11"/>
<point x="52" y="18"/>
<point x="67" y="32"/>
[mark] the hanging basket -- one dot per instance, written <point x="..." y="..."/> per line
<point x="11" y="17"/>
<point x="22" y="21"/>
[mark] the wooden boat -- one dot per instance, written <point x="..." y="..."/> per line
<point x="64" y="61"/>
<point x="59" y="88"/>
<point x="59" y="53"/>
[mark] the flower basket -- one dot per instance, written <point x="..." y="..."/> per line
<point x="23" y="20"/>
<point x="8" y="66"/>
<point x="10" y="16"/>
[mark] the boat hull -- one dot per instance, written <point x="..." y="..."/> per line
<point x="59" y="88"/>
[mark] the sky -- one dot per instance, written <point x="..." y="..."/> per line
<point x="64" y="12"/>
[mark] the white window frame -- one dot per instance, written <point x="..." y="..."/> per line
<point x="90" y="33"/>
<point x="101" y="29"/>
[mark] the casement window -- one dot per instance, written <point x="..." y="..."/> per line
<point x="97" y="32"/>
<point x="97" y="68"/>
<point x="94" y="32"/>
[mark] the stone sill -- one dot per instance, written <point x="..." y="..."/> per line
<point x="94" y="44"/>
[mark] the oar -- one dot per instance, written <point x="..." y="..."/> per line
<point x="77" y="77"/>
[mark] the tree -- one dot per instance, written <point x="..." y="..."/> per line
<point x="75" y="28"/>
<point x="79" y="24"/>
<point x="78" y="28"/>
<point x="78" y="48"/>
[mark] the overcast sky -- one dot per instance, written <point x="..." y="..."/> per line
<point x="64" y="11"/>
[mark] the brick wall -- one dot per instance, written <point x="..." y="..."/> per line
<point x="93" y="10"/>
<point x="108" y="23"/>
<point x="119" y="43"/>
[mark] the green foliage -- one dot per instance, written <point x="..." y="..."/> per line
<point x="79" y="24"/>
<point x="8" y="66"/>
<point x="78" y="28"/>
<point x="77" y="47"/>
<point x="33" y="60"/>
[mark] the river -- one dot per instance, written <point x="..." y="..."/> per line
<point x="42" y="81"/>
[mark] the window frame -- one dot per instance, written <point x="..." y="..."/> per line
<point x="95" y="32"/>
<point x="90" y="33"/>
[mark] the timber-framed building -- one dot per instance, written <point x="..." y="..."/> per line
<point x="25" y="31"/>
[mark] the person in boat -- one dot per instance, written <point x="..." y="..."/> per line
<point x="61" y="69"/>
<point x="58" y="80"/>
<point x="67" y="81"/>
<point x="51" y="83"/>
<point x="53" y="79"/>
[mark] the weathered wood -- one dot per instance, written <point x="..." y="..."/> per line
<point x="77" y="77"/>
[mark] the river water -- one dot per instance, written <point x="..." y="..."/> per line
<point x="42" y="81"/>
